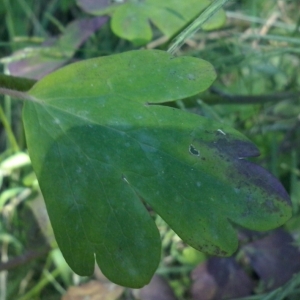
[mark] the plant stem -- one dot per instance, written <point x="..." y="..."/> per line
<point x="7" y="117"/>
<point x="9" y="23"/>
<point x="219" y="97"/>
<point x="3" y="274"/>
<point x="10" y="135"/>
<point x="40" y="285"/>
<point x="196" y="25"/>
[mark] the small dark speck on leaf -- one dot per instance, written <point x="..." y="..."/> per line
<point x="194" y="151"/>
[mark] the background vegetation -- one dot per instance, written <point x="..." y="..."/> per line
<point x="256" y="56"/>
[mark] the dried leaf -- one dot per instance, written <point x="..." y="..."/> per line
<point x="94" y="290"/>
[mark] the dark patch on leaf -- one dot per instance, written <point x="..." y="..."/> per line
<point x="248" y="173"/>
<point x="235" y="149"/>
<point x="256" y="175"/>
<point x="194" y="151"/>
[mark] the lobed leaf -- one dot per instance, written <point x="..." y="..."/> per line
<point x="102" y="146"/>
<point x="131" y="19"/>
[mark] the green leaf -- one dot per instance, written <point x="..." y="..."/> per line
<point x="131" y="19"/>
<point x="102" y="146"/>
<point x="16" y="83"/>
<point x="15" y="86"/>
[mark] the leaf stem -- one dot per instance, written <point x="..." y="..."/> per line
<point x="16" y="87"/>
<point x="15" y="94"/>
<point x="196" y="25"/>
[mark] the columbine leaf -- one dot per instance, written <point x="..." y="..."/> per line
<point x="101" y="144"/>
<point x="131" y="20"/>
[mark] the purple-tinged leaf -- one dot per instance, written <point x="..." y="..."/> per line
<point x="93" y="6"/>
<point x="35" y="67"/>
<point x="274" y="258"/>
<point x="79" y="31"/>
<point x="220" y="278"/>
<point x="54" y="52"/>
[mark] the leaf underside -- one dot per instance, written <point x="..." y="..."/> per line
<point x="101" y="146"/>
